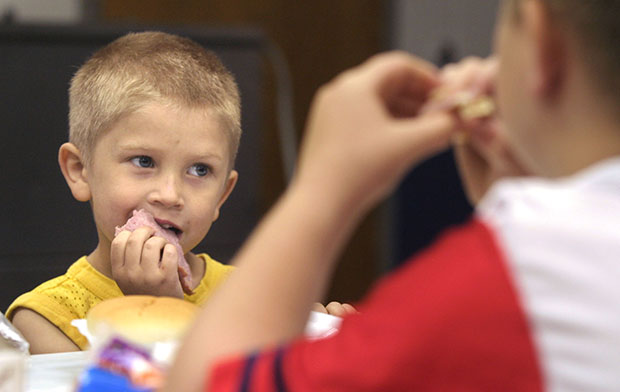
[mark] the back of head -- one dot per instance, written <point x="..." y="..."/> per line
<point x="595" y="26"/>
<point x="146" y="67"/>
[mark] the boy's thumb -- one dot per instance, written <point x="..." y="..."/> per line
<point x="424" y="136"/>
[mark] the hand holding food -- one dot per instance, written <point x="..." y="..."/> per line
<point x="146" y="258"/>
<point x="482" y="150"/>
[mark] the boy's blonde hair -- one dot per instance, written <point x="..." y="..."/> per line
<point x="146" y="67"/>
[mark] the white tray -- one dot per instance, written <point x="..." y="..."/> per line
<point x="55" y="372"/>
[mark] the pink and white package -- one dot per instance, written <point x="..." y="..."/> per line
<point x="142" y="218"/>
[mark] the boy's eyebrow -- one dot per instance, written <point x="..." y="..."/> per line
<point x="130" y="146"/>
<point x="208" y="156"/>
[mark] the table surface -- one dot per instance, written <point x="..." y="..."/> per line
<point x="55" y="372"/>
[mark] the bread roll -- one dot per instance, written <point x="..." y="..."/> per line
<point x="142" y="318"/>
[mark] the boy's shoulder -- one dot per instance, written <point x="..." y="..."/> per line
<point x="74" y="291"/>
<point x="215" y="271"/>
<point x="590" y="197"/>
<point x="562" y="230"/>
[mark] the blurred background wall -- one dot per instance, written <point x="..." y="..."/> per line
<point x="319" y="39"/>
<point x="32" y="11"/>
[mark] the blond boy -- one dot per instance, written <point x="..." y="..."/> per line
<point x="154" y="125"/>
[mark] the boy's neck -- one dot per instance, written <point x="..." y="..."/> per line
<point x="596" y="140"/>
<point x="582" y="129"/>
<point x="99" y="259"/>
<point x="197" y="267"/>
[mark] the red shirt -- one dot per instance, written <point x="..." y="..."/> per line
<point x="526" y="297"/>
<point x="448" y="320"/>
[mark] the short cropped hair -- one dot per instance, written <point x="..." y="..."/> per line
<point x="595" y="24"/>
<point x="141" y="68"/>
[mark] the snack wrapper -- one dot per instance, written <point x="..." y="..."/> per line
<point x="120" y="364"/>
<point x="11" y="336"/>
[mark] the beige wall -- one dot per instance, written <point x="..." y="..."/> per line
<point x="43" y="11"/>
<point x="421" y="26"/>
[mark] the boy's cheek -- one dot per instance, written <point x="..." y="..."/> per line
<point x="199" y="228"/>
<point x="112" y="213"/>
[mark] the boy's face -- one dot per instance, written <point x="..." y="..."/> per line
<point x="170" y="161"/>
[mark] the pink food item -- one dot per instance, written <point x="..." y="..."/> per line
<point x="142" y="218"/>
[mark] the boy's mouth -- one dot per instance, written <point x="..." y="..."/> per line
<point x="169" y="227"/>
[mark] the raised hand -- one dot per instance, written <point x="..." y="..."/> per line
<point x="481" y="146"/>
<point x="365" y="128"/>
<point x="145" y="264"/>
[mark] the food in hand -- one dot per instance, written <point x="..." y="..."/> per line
<point x="477" y="107"/>
<point x="142" y="218"/>
<point x="468" y="105"/>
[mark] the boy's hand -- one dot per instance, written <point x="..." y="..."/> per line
<point x="143" y="264"/>
<point x="335" y="308"/>
<point x="483" y="158"/>
<point x="365" y="129"/>
<point x="481" y="148"/>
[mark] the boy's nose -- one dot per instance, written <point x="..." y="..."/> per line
<point x="167" y="192"/>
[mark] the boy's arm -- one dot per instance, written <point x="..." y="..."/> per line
<point x="43" y="336"/>
<point x="362" y="136"/>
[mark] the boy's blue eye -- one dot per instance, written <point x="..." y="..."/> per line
<point x="142" y="161"/>
<point x="199" y="170"/>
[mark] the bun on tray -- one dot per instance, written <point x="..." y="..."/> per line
<point x="143" y="318"/>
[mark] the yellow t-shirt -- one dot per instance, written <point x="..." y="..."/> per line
<point x="69" y="296"/>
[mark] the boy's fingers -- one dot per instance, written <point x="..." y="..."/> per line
<point x="318" y="307"/>
<point x="403" y="82"/>
<point x="462" y="82"/>
<point x="348" y="308"/>
<point x="403" y="107"/>
<point x="488" y="75"/>
<point x="135" y="245"/>
<point x="169" y="260"/>
<point x="117" y="251"/>
<point x="393" y="76"/>
<point x="423" y="136"/>
<point x="152" y="252"/>
<point x="336" y="309"/>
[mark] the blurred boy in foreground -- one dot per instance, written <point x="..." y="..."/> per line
<point x="522" y="298"/>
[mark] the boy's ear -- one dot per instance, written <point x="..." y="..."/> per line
<point x="74" y="171"/>
<point x="231" y="181"/>
<point x="548" y="48"/>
